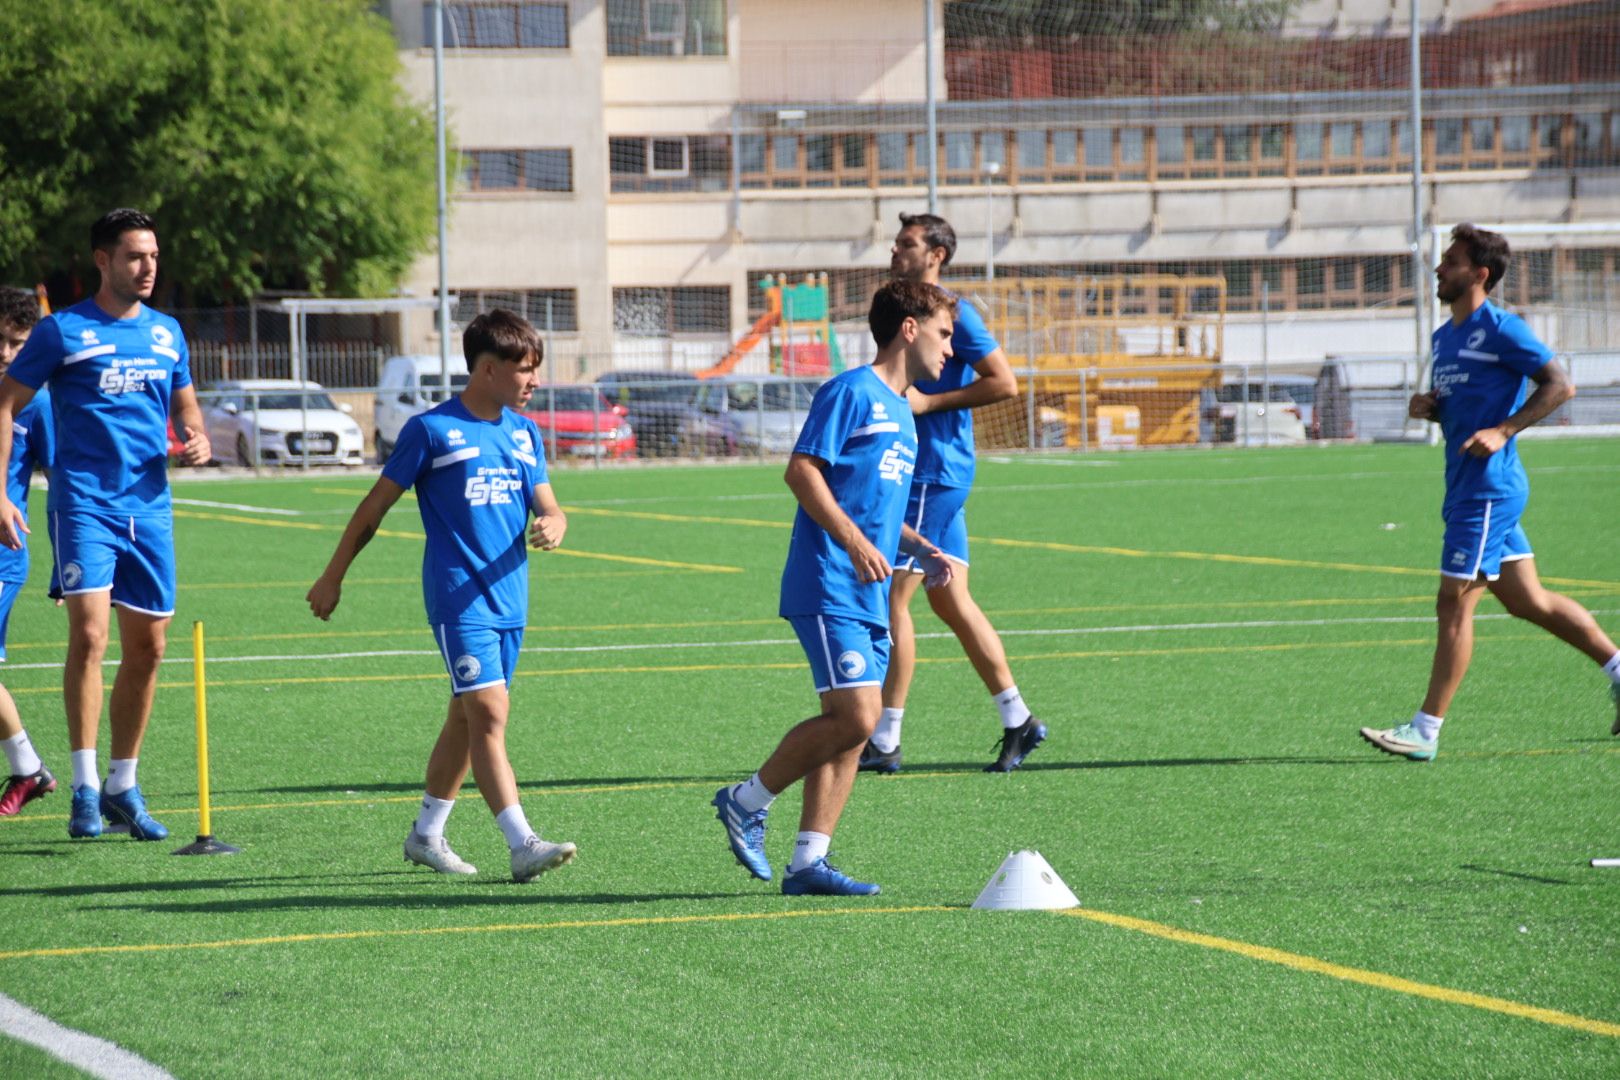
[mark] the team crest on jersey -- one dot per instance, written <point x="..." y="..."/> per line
<point x="1477" y="338"/>
<point x="521" y="439"/>
<point x="72" y="574"/>
<point x="468" y="668"/>
<point x="851" y="664"/>
<point x="162" y="336"/>
<point x="454" y="436"/>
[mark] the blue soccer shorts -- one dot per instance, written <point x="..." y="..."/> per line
<point x="478" y="657"/>
<point x="1481" y="535"/>
<point x="843" y="653"/>
<point x="9" y="591"/>
<point x="937" y="513"/>
<point x="131" y="557"/>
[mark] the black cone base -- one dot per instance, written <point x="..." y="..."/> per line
<point x="207" y="845"/>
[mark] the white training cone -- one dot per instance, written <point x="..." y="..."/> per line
<point x="1025" y="882"/>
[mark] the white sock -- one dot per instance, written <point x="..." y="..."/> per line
<point x="752" y="795"/>
<point x="1612" y="669"/>
<point x="20" y="755"/>
<point x="809" y="847"/>
<point x="120" y="775"/>
<point x="514" y="826"/>
<point x="886" y="737"/>
<point x="435" y="812"/>
<point x="1013" y="710"/>
<point x="1427" y="726"/>
<point x="84" y="769"/>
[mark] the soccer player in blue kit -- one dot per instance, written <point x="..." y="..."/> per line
<point x="1483" y="358"/>
<point x="33" y="446"/>
<point x="976" y="374"/>
<point x="478" y="468"/>
<point x="117" y="370"/>
<point x="850" y="471"/>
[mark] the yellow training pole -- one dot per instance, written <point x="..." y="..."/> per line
<point x="206" y="844"/>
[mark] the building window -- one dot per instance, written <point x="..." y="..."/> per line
<point x="547" y="309"/>
<point x="490" y="24"/>
<point x="669" y="163"/>
<point x="519" y="170"/>
<point x="666" y="27"/>
<point x="660" y="312"/>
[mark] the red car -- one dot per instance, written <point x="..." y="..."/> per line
<point x="577" y="421"/>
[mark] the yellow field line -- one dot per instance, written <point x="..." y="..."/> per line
<point x="499" y="928"/>
<point x="1356" y="975"/>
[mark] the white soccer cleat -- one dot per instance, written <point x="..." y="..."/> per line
<point x="536" y="856"/>
<point x="435" y="854"/>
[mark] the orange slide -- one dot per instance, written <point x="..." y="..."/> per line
<point x="755" y="335"/>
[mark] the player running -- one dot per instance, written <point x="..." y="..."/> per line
<point x="976" y="374"/>
<point x="850" y="471"/>
<point x="1482" y="359"/>
<point x="117" y="370"/>
<point x="478" y="467"/>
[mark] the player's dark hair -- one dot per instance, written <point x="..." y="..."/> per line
<point x="111" y="226"/>
<point x="937" y="233"/>
<point x="1486" y="249"/>
<point x="900" y="300"/>
<point x="19" y="308"/>
<point x="503" y="334"/>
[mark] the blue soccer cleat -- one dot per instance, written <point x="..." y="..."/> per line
<point x="84" y="822"/>
<point x="821" y="878"/>
<point x="1016" y="743"/>
<point x="745" y="831"/>
<point x="128" y="808"/>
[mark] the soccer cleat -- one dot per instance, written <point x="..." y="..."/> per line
<point x="84" y="822"/>
<point x="129" y="808"/>
<point x="1403" y="741"/>
<point x="1614" y="692"/>
<point x="821" y="878"/>
<point x="875" y="760"/>
<point x="745" y="831"/>
<point x="434" y="853"/>
<point x="22" y="790"/>
<point x="536" y="856"/>
<point x="1016" y="744"/>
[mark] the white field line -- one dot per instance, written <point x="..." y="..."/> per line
<point x="239" y="506"/>
<point x="98" y="1057"/>
<point x="660" y="646"/>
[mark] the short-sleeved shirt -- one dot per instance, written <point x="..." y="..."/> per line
<point x="945" y="439"/>
<point x="1480" y="379"/>
<point x="474" y="482"/>
<point x="33" y="445"/>
<point x="110" y="382"/>
<point x="864" y="431"/>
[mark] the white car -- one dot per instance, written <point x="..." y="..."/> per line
<point x="280" y="422"/>
<point x="409" y="385"/>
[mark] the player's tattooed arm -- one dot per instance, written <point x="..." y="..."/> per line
<point x="325" y="595"/>
<point x="1553" y="388"/>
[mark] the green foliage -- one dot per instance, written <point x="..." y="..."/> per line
<point x="1109" y="18"/>
<point x="270" y="139"/>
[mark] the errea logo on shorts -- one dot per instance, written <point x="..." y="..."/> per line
<point x="897" y="463"/>
<point x="851" y="664"/>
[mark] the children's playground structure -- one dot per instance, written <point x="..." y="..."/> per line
<point x="797" y="323"/>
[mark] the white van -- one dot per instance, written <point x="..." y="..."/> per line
<point x="409" y="385"/>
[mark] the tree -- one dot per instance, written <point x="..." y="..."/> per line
<point x="1109" y="18"/>
<point x="270" y="139"/>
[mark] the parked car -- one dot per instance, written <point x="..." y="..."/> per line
<point x="279" y="422"/>
<point x="408" y="385"/>
<point x="662" y="408"/>
<point x="761" y="415"/>
<point x="578" y="421"/>
<point x="1238" y="411"/>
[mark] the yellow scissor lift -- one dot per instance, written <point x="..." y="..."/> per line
<point x="1145" y="342"/>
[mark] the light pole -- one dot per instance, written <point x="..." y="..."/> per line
<point x="992" y="170"/>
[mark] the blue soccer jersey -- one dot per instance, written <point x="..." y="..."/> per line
<point x="110" y="382"/>
<point x="475" y="482"/>
<point x="1480" y="371"/>
<point x="945" y="439"/>
<point x="863" y="430"/>
<point x="33" y="445"/>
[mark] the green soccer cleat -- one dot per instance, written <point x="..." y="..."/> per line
<point x="1403" y="741"/>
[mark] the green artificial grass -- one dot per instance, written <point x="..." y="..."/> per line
<point x="1203" y="632"/>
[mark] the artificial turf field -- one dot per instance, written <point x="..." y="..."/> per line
<point x="1204" y="632"/>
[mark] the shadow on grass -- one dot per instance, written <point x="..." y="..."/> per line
<point x="1136" y="763"/>
<point x="415" y="786"/>
<point x="494" y="894"/>
<point x="264" y="882"/>
<point x="1514" y="874"/>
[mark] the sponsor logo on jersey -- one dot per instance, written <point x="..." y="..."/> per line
<point x="897" y="463"/>
<point x="492" y="487"/>
<point x="468" y="668"/>
<point x="851" y="664"/>
<point x="72" y="574"/>
<point x="129" y="376"/>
